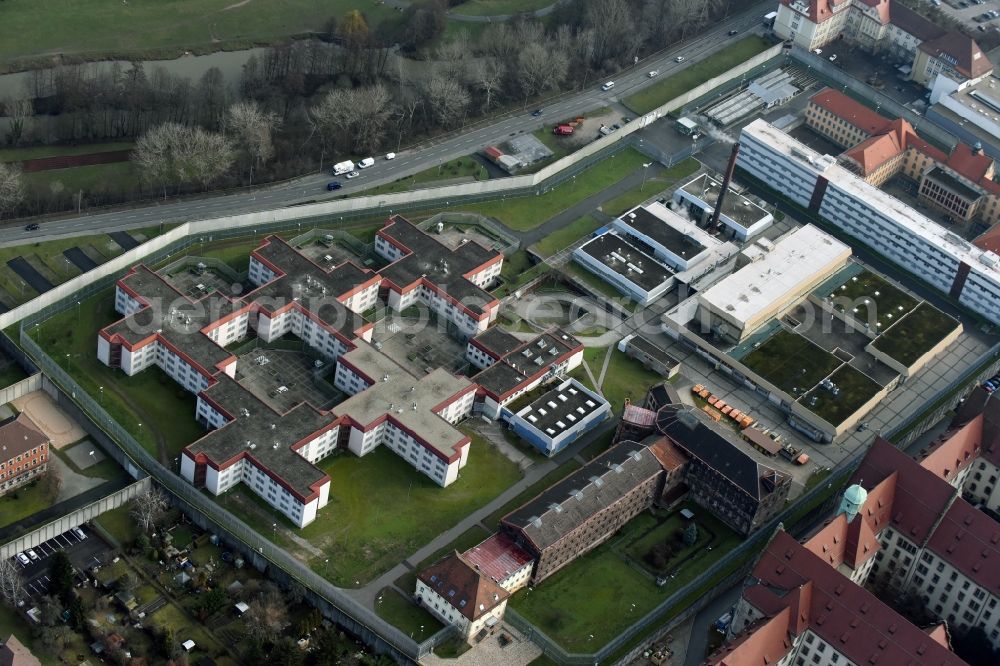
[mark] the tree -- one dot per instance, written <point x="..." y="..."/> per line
<point x="172" y="153"/>
<point x="52" y="483"/>
<point x="539" y="69"/>
<point x="250" y="126"/>
<point x="425" y="22"/>
<point x="690" y="534"/>
<point x="61" y="575"/>
<point x="211" y="602"/>
<point x="11" y="584"/>
<point x="11" y="187"/>
<point x="50" y="610"/>
<point x="19" y="112"/>
<point x="487" y="74"/>
<point x="148" y="507"/>
<point x="446" y="99"/>
<point x="266" y="617"/>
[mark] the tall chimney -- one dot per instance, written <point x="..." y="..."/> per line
<point x="713" y="225"/>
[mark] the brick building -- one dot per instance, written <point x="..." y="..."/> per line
<point x="24" y="452"/>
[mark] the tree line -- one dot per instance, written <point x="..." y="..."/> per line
<point x="361" y="88"/>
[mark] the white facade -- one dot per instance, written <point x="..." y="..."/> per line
<point x="981" y="486"/>
<point x="440" y="608"/>
<point x="881" y="221"/>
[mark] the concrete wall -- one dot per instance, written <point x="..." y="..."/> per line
<point x="23" y="387"/>
<point x="74" y="519"/>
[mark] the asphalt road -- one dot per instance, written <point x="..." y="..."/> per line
<point x="312" y="187"/>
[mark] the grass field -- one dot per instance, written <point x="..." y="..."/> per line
<point x="463" y="168"/>
<point x="499" y="7"/>
<point x="625" y="378"/>
<point x="563" y="238"/>
<point x="695" y="74"/>
<point x="525" y="213"/>
<point x="856" y="388"/>
<point x="116" y="177"/>
<point x="35" y="152"/>
<point x="915" y="334"/>
<point x="596" y="597"/>
<point x="654" y="184"/>
<point x="22" y="502"/>
<point x="119" y="524"/>
<point x="791" y="362"/>
<point x="405" y="615"/>
<point x="150" y="26"/>
<point x="10" y="372"/>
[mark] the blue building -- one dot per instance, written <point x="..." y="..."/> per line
<point x="557" y="417"/>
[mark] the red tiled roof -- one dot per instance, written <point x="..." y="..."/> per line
<point x="968" y="58"/>
<point x="850" y="110"/>
<point x="955" y="450"/>
<point x="497" y="557"/>
<point x="918" y="499"/>
<point x="19" y="435"/>
<point x="764" y="643"/>
<point x="969" y="540"/>
<point x="882" y="6"/>
<point x="875" y="151"/>
<point x="14" y="653"/>
<point x="849" y="617"/>
<point x="940" y="634"/>
<point x="671" y="458"/>
<point x="989" y="240"/>
<point x="458" y="583"/>
<point x="636" y="415"/>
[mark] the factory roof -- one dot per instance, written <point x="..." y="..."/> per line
<point x="667" y="229"/>
<point x="735" y="206"/>
<point x="626" y="259"/>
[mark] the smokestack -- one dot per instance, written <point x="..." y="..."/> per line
<point x="713" y="225"/>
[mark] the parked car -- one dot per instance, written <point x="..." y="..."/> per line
<point x="818" y="51"/>
<point x="31" y="227"/>
<point x="608" y="86"/>
<point x="333" y="185"/>
<point x="679" y="59"/>
<point x="615" y="127"/>
<point x="353" y="174"/>
<point x="390" y="156"/>
<point x="32" y="554"/>
<point x="562" y="130"/>
<point x="23" y="559"/>
<point x="653" y="73"/>
<point x="733" y="32"/>
<point x="536" y="113"/>
<point x="80" y="534"/>
<point x="833" y="58"/>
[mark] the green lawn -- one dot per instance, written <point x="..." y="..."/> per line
<point x="563" y="238"/>
<point x="119" y="524"/>
<point x="695" y="74"/>
<point x="405" y="615"/>
<point x="111" y="178"/>
<point x="466" y="540"/>
<point x="35" y="152"/>
<point x="598" y="446"/>
<point x="462" y="168"/>
<point x="915" y="334"/>
<point x="145" y="26"/>
<point x="108" y="469"/>
<point x="146" y="403"/>
<point x="499" y="7"/>
<point x="625" y="378"/>
<point x="10" y="371"/>
<point x="791" y="362"/>
<point x="523" y="213"/>
<point x="856" y="388"/>
<point x="664" y="178"/>
<point x="22" y="502"/>
<point x="601" y="593"/>
<point x="185" y="628"/>
<point x="493" y="520"/>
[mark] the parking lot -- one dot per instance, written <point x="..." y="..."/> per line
<point x="83" y="554"/>
<point x="967" y="12"/>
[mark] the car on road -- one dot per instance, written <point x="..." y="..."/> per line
<point x="390" y="156"/>
<point x="608" y="86"/>
<point x="679" y="59"/>
<point x="615" y="127"/>
<point x="367" y="162"/>
<point x="833" y="58"/>
<point x="32" y="554"/>
<point x="818" y="51"/>
<point x="653" y="73"/>
<point x="23" y="559"/>
<point x="333" y="185"/>
<point x="536" y="113"/>
<point x="733" y="32"/>
<point x="31" y="227"/>
<point x="353" y="174"/>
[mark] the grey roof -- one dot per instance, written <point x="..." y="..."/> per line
<point x="561" y="408"/>
<point x="500" y="378"/>
<point x="526" y="360"/>
<point x="498" y="341"/>
<point x="653" y="351"/>
<point x="616" y="252"/>
<point x="735" y="206"/>
<point x="566" y="505"/>
<point x="690" y="430"/>
<point x="409" y="401"/>
<point x="650" y="225"/>
<point x="315" y="288"/>
<point x="263" y="434"/>
<point x="176" y="318"/>
<point x="440" y="264"/>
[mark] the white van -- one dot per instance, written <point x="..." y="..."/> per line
<point x="341" y="168"/>
<point x="367" y="162"/>
<point x="608" y="86"/>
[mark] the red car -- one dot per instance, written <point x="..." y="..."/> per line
<point x="562" y="130"/>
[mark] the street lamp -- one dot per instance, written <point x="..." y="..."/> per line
<point x="645" y="172"/>
<point x="101" y="389"/>
<point x="274" y="531"/>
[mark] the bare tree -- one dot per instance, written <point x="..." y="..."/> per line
<point x="148" y="507"/>
<point x="11" y="187"/>
<point x="19" y="113"/>
<point x="487" y="73"/>
<point x="52" y="482"/>
<point x="251" y="127"/>
<point x="266" y="617"/>
<point x="172" y="153"/>
<point x="540" y="69"/>
<point x="446" y="99"/>
<point x="356" y="117"/>
<point x="11" y="584"/>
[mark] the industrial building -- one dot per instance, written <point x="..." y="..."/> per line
<point x="557" y="417"/>
<point x="740" y="215"/>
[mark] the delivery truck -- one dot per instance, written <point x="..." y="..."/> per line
<point x="341" y="168"/>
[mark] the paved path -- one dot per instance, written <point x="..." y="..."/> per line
<point x="367" y="594"/>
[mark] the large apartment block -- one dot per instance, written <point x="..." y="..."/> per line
<point x="952" y="265"/>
